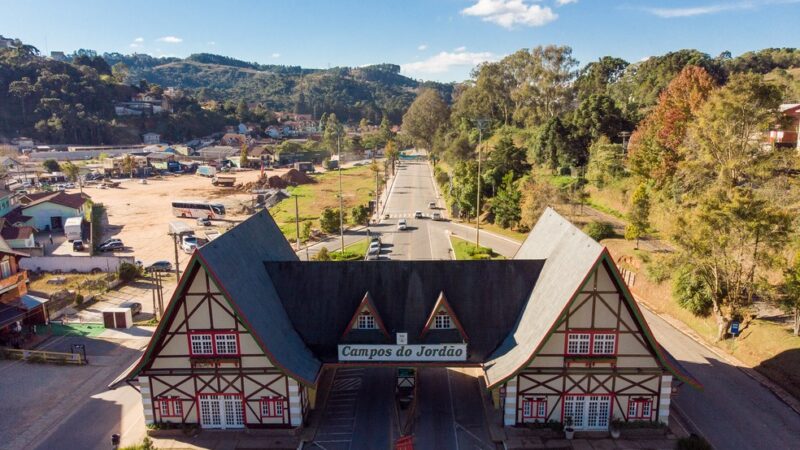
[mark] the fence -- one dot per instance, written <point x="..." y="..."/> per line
<point x="69" y="263"/>
<point x="42" y="356"/>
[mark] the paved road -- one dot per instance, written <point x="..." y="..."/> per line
<point x="733" y="411"/>
<point x="359" y="411"/>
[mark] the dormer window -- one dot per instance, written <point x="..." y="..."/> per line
<point x="442" y="321"/>
<point x="366" y="321"/>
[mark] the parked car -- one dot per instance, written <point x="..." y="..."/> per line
<point x="135" y="307"/>
<point x="432" y="205"/>
<point x="372" y="256"/>
<point x="111" y="246"/>
<point x="436" y="216"/>
<point x="189" y="243"/>
<point x="204" y="221"/>
<point x="418" y="215"/>
<point x="375" y="238"/>
<point x="108" y="241"/>
<point x="77" y="245"/>
<point x="374" y="248"/>
<point x="159" y="266"/>
<point x="402" y="224"/>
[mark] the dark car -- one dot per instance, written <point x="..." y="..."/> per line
<point x="108" y="241"/>
<point x="77" y="245"/>
<point x="111" y="246"/>
<point x="204" y="221"/>
<point x="135" y="307"/>
<point x="159" y="266"/>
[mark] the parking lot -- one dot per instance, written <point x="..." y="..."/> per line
<point x="139" y="214"/>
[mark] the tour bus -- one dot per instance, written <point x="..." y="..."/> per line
<point x="192" y="208"/>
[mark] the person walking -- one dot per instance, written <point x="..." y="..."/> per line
<point x="50" y="236"/>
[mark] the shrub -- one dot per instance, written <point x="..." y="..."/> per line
<point x="565" y="171"/>
<point x="128" y="271"/>
<point x="329" y="220"/>
<point x="359" y="215"/>
<point x="79" y="299"/>
<point x="323" y="255"/>
<point x="599" y="230"/>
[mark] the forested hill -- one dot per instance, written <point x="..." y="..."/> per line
<point x="352" y="93"/>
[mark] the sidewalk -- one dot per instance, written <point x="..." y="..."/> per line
<point x="231" y="440"/>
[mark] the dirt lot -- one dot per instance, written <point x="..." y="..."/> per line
<point x="139" y="214"/>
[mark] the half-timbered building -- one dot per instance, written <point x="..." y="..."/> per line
<point x="555" y="331"/>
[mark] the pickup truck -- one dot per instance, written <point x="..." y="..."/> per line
<point x="223" y="180"/>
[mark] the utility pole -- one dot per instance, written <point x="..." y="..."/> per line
<point x="625" y="135"/>
<point x="177" y="266"/>
<point x="481" y="123"/>
<point x="341" y="198"/>
<point x="297" y="220"/>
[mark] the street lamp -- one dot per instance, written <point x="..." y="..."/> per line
<point x="341" y="198"/>
<point x="480" y="123"/>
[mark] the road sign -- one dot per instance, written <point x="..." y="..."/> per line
<point x="402" y="338"/>
<point x="735" y="328"/>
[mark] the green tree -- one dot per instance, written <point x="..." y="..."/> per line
<point x="243" y="156"/>
<point x="359" y="215"/>
<point x="789" y="293"/>
<point x="329" y="220"/>
<point x="363" y="125"/>
<point x="505" y="206"/>
<point x="729" y="242"/>
<point x="605" y="162"/>
<point x="385" y="130"/>
<point x="536" y="196"/>
<point x="391" y="153"/>
<point x="598" y="76"/>
<point x="543" y="83"/>
<point x="71" y="171"/>
<point x="424" y="117"/>
<point x="554" y="146"/>
<point x="598" y="116"/>
<point x="22" y="89"/>
<point x="506" y="158"/>
<point x="51" y="165"/>
<point x="465" y="187"/>
<point x="639" y="214"/>
<point x="333" y="133"/>
<point x="128" y="164"/>
<point x="305" y="231"/>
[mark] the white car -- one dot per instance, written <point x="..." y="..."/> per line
<point x="402" y="224"/>
<point x="189" y="243"/>
<point x="374" y="248"/>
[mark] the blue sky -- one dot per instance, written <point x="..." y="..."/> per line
<point x="432" y="40"/>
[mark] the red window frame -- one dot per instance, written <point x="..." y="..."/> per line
<point x="639" y="404"/>
<point x="591" y="334"/>
<point x="272" y="404"/>
<point x="535" y="403"/>
<point x="214" y="353"/>
<point x="174" y="406"/>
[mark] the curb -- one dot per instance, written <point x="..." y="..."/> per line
<point x="770" y="385"/>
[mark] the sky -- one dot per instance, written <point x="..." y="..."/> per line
<point x="430" y="39"/>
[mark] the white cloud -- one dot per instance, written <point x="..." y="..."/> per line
<point x="276" y="55"/>
<point x="136" y="42"/>
<point x="212" y="43"/>
<point x="508" y="13"/>
<point x="700" y="10"/>
<point x="460" y="49"/>
<point x="139" y="39"/>
<point x="565" y="2"/>
<point x="170" y="39"/>
<point x="445" y="61"/>
<point x="422" y="47"/>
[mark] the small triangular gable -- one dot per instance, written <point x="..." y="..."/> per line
<point x="442" y="306"/>
<point x="367" y="306"/>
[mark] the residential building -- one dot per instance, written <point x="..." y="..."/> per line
<point x="555" y="332"/>
<point x="6" y="202"/>
<point x="217" y="153"/>
<point x="151" y="138"/>
<point x="19" y="238"/>
<point x="786" y="135"/>
<point x="49" y="210"/>
<point x="116" y="166"/>
<point x="18" y="309"/>
<point x="234" y="140"/>
<point x="9" y="164"/>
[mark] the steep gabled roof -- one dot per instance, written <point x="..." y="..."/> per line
<point x="570" y="258"/>
<point x="233" y="263"/>
<point x="443" y="304"/>
<point x="366" y="303"/>
<point x="74" y="201"/>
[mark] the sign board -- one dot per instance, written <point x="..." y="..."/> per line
<point x="735" y="328"/>
<point x="402" y="338"/>
<point x="391" y="353"/>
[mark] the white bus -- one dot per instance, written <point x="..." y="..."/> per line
<point x="192" y="208"/>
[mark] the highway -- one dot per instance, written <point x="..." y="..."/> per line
<point x="732" y="411"/>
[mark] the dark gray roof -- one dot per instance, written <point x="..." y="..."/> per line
<point x="322" y="297"/>
<point x="235" y="260"/>
<point x="570" y="255"/>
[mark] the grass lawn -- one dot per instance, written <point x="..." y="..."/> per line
<point x="507" y="232"/>
<point x="353" y="252"/>
<point x="358" y="185"/>
<point x="78" y="329"/>
<point x="465" y="250"/>
<point x="87" y="283"/>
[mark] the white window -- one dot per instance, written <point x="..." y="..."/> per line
<point x="5" y="267"/>
<point x="604" y="344"/>
<point x="578" y="343"/>
<point x="639" y="408"/>
<point x="442" y="321"/>
<point x="272" y="406"/>
<point x="226" y="344"/>
<point x="201" y="344"/>
<point x="366" y="321"/>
